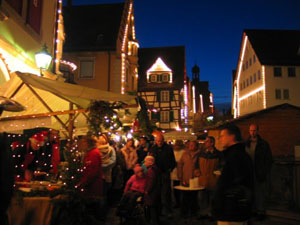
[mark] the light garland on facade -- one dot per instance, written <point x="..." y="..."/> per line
<point x="159" y="66"/>
<point x="185" y="103"/>
<point x="123" y="55"/>
<point x="201" y="103"/>
<point x="264" y="84"/>
<point x="59" y="36"/>
<point x="70" y="64"/>
<point x="261" y="88"/>
<point x="239" y="74"/>
<point x="194" y="99"/>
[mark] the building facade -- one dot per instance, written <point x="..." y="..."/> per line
<point x="26" y="26"/>
<point x="101" y="41"/>
<point x="268" y="71"/>
<point x="163" y="84"/>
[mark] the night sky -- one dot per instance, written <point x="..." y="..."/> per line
<point x="211" y="30"/>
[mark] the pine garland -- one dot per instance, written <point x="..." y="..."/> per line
<point x="103" y="117"/>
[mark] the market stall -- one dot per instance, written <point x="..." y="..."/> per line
<point x="54" y="106"/>
<point x="179" y="135"/>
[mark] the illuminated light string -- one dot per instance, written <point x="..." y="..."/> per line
<point x="264" y="84"/>
<point x="194" y="99"/>
<point x="239" y="73"/>
<point x="123" y="55"/>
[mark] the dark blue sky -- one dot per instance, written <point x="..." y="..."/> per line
<point x="211" y="30"/>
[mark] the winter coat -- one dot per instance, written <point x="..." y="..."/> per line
<point x="130" y="157"/>
<point x="187" y="165"/>
<point x="233" y="196"/>
<point x="208" y="162"/>
<point x="136" y="184"/>
<point x="164" y="157"/>
<point x="91" y="180"/>
<point x="108" y="156"/>
<point x="141" y="153"/>
<point x="262" y="159"/>
<point x="177" y="154"/>
<point x="152" y="187"/>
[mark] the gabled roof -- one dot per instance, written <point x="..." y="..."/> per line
<point x="276" y="47"/>
<point x="173" y="57"/>
<point x="92" y="27"/>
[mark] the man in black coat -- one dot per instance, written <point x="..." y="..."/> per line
<point x="232" y="202"/>
<point x="260" y="152"/>
<point x="165" y="161"/>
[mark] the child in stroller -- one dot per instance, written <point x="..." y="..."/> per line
<point x="130" y="206"/>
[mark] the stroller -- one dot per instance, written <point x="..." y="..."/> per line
<point x="131" y="207"/>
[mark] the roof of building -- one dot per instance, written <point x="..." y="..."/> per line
<point x="173" y="57"/>
<point x="92" y="27"/>
<point x="276" y="47"/>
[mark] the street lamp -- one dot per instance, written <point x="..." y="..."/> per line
<point x="43" y="59"/>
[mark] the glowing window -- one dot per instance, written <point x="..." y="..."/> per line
<point x="164" y="116"/>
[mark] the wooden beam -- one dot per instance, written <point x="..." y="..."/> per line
<point x="16" y="91"/>
<point x="45" y="104"/>
<point x="38" y="115"/>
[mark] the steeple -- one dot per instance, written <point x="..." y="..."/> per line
<point x="195" y="73"/>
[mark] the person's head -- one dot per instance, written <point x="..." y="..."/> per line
<point x="129" y="143"/>
<point x="36" y="141"/>
<point x="178" y="145"/>
<point x="149" y="161"/>
<point x="143" y="140"/>
<point x="229" y="135"/>
<point x="138" y="171"/>
<point x="159" y="140"/>
<point x="87" y="143"/>
<point x="102" y="140"/>
<point x="253" y="130"/>
<point x="193" y="146"/>
<point x="209" y="142"/>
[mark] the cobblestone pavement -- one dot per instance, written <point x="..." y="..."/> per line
<point x="176" y="219"/>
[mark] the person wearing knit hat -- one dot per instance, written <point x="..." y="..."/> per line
<point x="134" y="189"/>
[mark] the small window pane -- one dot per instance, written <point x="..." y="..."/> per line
<point x="153" y="78"/>
<point x="286" y="94"/>
<point x="164" y="116"/>
<point x="258" y="75"/>
<point x="291" y="71"/>
<point x="277" y="72"/>
<point x="86" y="69"/>
<point x="247" y="82"/>
<point x="165" y="77"/>
<point x="254" y="59"/>
<point x="250" y="62"/>
<point x="164" y="96"/>
<point x="277" y="93"/>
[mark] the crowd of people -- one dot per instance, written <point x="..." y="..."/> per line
<point x="234" y="178"/>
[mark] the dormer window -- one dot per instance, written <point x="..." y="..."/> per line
<point x="159" y="73"/>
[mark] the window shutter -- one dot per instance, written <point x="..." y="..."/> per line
<point x="171" y="95"/>
<point x="158" y="96"/>
<point x="171" y="116"/>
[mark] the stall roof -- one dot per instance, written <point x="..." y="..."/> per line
<point x="42" y="95"/>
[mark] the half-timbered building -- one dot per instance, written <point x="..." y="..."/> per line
<point x="162" y="77"/>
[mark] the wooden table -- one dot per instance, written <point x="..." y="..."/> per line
<point x="183" y="188"/>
